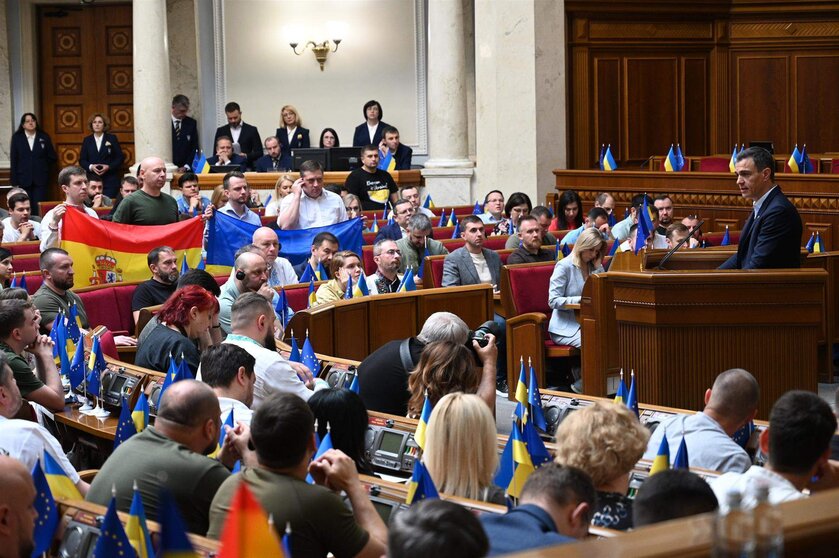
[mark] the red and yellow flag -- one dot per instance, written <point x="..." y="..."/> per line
<point x="246" y="532"/>
<point x="106" y="252"/>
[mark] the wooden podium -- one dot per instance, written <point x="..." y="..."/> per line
<point x="679" y="329"/>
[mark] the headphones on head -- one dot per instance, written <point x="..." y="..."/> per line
<point x="240" y="275"/>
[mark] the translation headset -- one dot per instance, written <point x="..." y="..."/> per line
<point x="240" y="275"/>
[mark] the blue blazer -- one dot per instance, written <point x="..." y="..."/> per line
<point x="110" y="154"/>
<point x="403" y="157"/>
<point x="361" y="136"/>
<point x="565" y="287"/>
<point x="389" y="232"/>
<point x="300" y="139"/>
<point x="248" y="140"/>
<point x="524" y="527"/>
<point x="264" y="164"/>
<point x="458" y="268"/>
<point x="234" y="160"/>
<point x="183" y="150"/>
<point x="770" y="240"/>
<point x="31" y="167"/>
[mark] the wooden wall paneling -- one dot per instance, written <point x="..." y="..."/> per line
<point x="761" y="98"/>
<point x="694" y="105"/>
<point x="815" y="224"/>
<point x="582" y="151"/>
<point x="650" y="117"/>
<point x="815" y="99"/>
<point x="395" y="318"/>
<point x="351" y="331"/>
<point x="720" y="102"/>
<point x="319" y="326"/>
<point x="608" y="105"/>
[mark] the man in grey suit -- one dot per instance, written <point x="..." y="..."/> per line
<point x="472" y="264"/>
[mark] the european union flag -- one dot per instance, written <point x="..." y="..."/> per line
<point x="478" y="209"/>
<point x="681" y="460"/>
<point x="420" y="264"/>
<point x="566" y="251"/>
<point x="354" y="387"/>
<point x="225" y="234"/>
<point x="421" y="486"/>
<point x="125" y="426"/>
<point x="294" y="356"/>
<point x="307" y="356"/>
<point x="804" y="164"/>
<point x="601" y="156"/>
<point x="77" y="368"/>
<point x="308" y="274"/>
<point x="20" y="284"/>
<point x="46" y="521"/>
<point x="645" y="227"/>
<point x="348" y="291"/>
<point x="726" y="238"/>
<point x="615" y="245"/>
<point x="74" y="331"/>
<point x="442" y="222"/>
<point x="184" y="265"/>
<point x="612" y="219"/>
<point x="456" y="231"/>
<point x="535" y="446"/>
<point x="810" y="244"/>
<point x="176" y="373"/>
<point x="281" y="308"/>
<point x="56" y="335"/>
<point x="324" y="446"/>
<point x="534" y="397"/>
<point x="173" y="540"/>
<point x="112" y="539"/>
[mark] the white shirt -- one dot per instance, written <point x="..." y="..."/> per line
<point x="481" y="267"/>
<point x="759" y="203"/>
<point x="326" y="210"/>
<point x="780" y="489"/>
<point x="241" y="412"/>
<point x="11" y="234"/>
<point x="282" y="273"/>
<point x="27" y="441"/>
<point x="290" y="133"/>
<point x="273" y="372"/>
<point x="425" y="211"/>
<point x="31" y="140"/>
<point x="51" y="238"/>
<point x="98" y="140"/>
<point x="234" y="133"/>
<point x="372" y="131"/>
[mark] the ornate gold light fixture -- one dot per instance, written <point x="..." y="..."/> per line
<point x="321" y="50"/>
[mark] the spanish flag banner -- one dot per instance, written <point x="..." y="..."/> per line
<point x="105" y="252"/>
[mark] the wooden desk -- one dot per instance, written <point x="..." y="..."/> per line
<point x="679" y="329"/>
<point x="352" y="329"/>
<point x="266" y="180"/>
<point x="104" y="429"/>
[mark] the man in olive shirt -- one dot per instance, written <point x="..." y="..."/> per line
<point x="418" y="242"/>
<point x="19" y="333"/>
<point x="172" y="454"/>
<point x="148" y="205"/>
<point x="530" y="236"/>
<point x="55" y="295"/>
<point x="282" y="431"/>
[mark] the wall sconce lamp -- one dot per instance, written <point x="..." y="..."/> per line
<point x="321" y="50"/>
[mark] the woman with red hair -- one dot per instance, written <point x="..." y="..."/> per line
<point x="183" y="318"/>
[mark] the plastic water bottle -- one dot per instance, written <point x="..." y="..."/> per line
<point x="734" y="535"/>
<point x="769" y="526"/>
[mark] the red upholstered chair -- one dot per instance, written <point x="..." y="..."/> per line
<point x="495" y="242"/>
<point x="461" y="209"/>
<point x="298" y="295"/>
<point x="524" y="296"/>
<point x="834" y="166"/>
<point x="34" y="280"/>
<point x="109" y="347"/>
<point x="432" y="272"/>
<point x="367" y="260"/>
<point x="442" y="233"/>
<point x="504" y="254"/>
<point x="100" y="304"/>
<point x="453" y="244"/>
<point x="715" y="238"/>
<point x="221" y="279"/>
<point x="26" y="262"/>
<point x="369" y="238"/>
<point x="714" y="164"/>
<point x="45" y="206"/>
<point x="20" y="248"/>
<point x="268" y="220"/>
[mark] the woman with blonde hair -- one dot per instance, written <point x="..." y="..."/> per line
<point x="566" y="287"/>
<point x="461" y="449"/>
<point x="282" y="188"/>
<point x="291" y="132"/>
<point x="605" y="440"/>
<point x="219" y="197"/>
<point x="345" y="265"/>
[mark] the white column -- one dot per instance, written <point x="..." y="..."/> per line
<point x="448" y="171"/>
<point x="152" y="92"/>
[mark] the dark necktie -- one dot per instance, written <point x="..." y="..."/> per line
<point x="276" y="163"/>
<point x="177" y="129"/>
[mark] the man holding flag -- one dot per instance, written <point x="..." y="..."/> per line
<point x="282" y="431"/>
<point x="19" y="323"/>
<point x="149" y="205"/>
<point x="391" y="151"/>
<point x="73" y="182"/>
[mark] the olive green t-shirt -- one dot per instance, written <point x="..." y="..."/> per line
<point x="320" y="522"/>
<point x="25" y="378"/>
<point x="142" y="209"/>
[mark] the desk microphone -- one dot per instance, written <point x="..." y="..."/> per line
<point x="679" y="245"/>
<point x="650" y="158"/>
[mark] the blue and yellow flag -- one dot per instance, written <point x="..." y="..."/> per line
<point x="818" y="246"/>
<point x="452" y="219"/>
<point x="173" y="540"/>
<point x="523" y="463"/>
<point x="535" y="446"/>
<point x="671" y="163"/>
<point x="804" y="164"/>
<point x="360" y="288"/>
<point x="534" y="397"/>
<point x="681" y="460"/>
<point x="609" y="163"/>
<point x="375" y="226"/>
<point x="429" y="204"/>
<point x="456" y="231"/>
<point x="136" y="528"/>
<point x="321" y="274"/>
<point x="60" y="484"/>
<point x="313" y="299"/>
<point x="726" y="238"/>
<point x="407" y="283"/>
<point x="200" y="164"/>
<point x="46" y="520"/>
<point x="56" y="336"/>
<point x="601" y="156"/>
<point x="112" y="539"/>
<point x="422" y="425"/>
<point x="294" y="355"/>
<point x="632" y="395"/>
<point x="354" y="387"/>
<point x="140" y="414"/>
<point x="521" y="393"/>
<point x="77" y="369"/>
<point x="387" y="162"/>
<point x="733" y="159"/>
<point x="421" y="486"/>
<point x="308" y="273"/>
<point x="281" y="308"/>
<point x="184" y="265"/>
<point x="21" y="284"/>
<point x="794" y="159"/>
<point x="661" y="462"/>
<point x="307" y="356"/>
<point x="621" y="394"/>
<point x="125" y="426"/>
<point x="680" y="159"/>
<point x="175" y="374"/>
<point x="442" y="222"/>
<point x="348" y="292"/>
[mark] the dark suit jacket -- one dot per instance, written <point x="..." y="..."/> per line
<point x="110" y="153"/>
<point x="361" y="136"/>
<point x="183" y="150"/>
<point x="264" y="164"/>
<point x="458" y="268"/>
<point x="300" y="139"/>
<point x="300" y="268"/>
<point x="31" y="166"/>
<point x="772" y="240"/>
<point x="234" y="160"/>
<point x="403" y="157"/>
<point x="390" y="232"/>
<point x="248" y="140"/>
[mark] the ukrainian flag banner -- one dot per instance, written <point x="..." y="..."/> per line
<point x="661" y="461"/>
<point x="106" y="252"/>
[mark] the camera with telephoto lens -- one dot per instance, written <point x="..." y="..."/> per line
<point x="480" y="334"/>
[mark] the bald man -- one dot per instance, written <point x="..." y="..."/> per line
<point x="149" y="205"/>
<point x="17" y="510"/>
<point x="172" y="454"/>
<point x="25" y="440"/>
<point x="280" y="270"/>
<point x="250" y="275"/>
<point x="730" y="404"/>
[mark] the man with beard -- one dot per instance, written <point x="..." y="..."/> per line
<point x="252" y="328"/>
<point x="172" y="454"/>
<point x="250" y="275"/>
<point x="163" y="263"/>
<point x="17" y="509"/>
<point x="387" y="256"/>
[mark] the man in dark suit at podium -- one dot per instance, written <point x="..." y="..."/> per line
<point x="771" y="237"/>
<point x="184" y="134"/>
<point x="243" y="134"/>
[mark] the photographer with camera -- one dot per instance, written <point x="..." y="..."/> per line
<point x="383" y="375"/>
